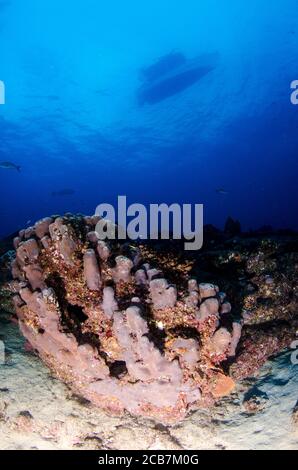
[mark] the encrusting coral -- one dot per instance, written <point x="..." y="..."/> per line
<point x="118" y="330"/>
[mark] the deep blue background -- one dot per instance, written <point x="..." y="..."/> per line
<point x="71" y="118"/>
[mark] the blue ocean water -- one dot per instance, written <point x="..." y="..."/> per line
<point x="73" y="121"/>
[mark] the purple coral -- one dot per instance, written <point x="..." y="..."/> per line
<point x="91" y="270"/>
<point x="122" y="270"/>
<point x="109" y="302"/>
<point x="41" y="228"/>
<point x="63" y="238"/>
<point x="123" y="337"/>
<point x="103" y="250"/>
<point x="162" y="293"/>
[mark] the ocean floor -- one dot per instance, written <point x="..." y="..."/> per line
<point x="39" y="412"/>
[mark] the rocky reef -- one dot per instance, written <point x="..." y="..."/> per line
<point x="139" y="328"/>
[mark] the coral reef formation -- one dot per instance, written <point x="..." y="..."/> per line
<point x="259" y="273"/>
<point x="131" y="327"/>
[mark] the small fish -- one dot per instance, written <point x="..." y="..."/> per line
<point x="9" y="166"/>
<point x="222" y="191"/>
<point x="63" y="192"/>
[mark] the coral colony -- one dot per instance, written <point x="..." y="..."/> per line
<point x="124" y="332"/>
